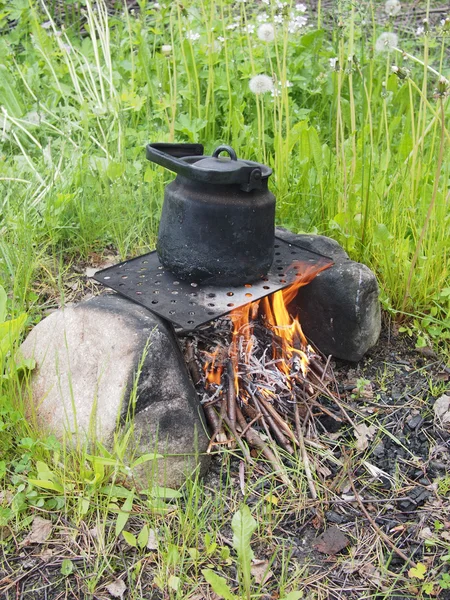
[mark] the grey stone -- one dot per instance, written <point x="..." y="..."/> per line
<point x="319" y="244"/>
<point x="339" y="309"/>
<point x="89" y="359"/>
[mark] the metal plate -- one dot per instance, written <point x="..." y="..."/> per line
<point x="188" y="304"/>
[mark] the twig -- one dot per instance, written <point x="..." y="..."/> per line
<point x="380" y="532"/>
<point x="309" y="477"/>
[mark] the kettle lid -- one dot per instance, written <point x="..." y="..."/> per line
<point x="230" y="163"/>
<point x="188" y="160"/>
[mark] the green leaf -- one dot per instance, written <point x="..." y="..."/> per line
<point x="142" y="538"/>
<point x="243" y="526"/>
<point x="293" y="596"/>
<point x="418" y="572"/>
<point x="124" y="513"/>
<point x="145" y="458"/>
<point x="66" y="567"/>
<point x="3" y="299"/>
<point x="174" y="582"/>
<point x="218" y="584"/>
<point x="129" y="538"/>
<point x="9" y="332"/>
<point x="157" y="491"/>
<point x="115" y="170"/>
<point x="47" y="485"/>
<point x="115" y="491"/>
<point x="316" y="148"/>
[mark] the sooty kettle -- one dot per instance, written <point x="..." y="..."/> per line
<point x="218" y="218"/>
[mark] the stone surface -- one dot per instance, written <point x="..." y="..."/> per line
<point x="339" y="310"/>
<point x="87" y="358"/>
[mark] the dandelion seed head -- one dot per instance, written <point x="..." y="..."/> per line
<point x="193" y="36"/>
<point x="266" y="32"/>
<point x="260" y="84"/>
<point x="334" y="63"/>
<point x="300" y="7"/>
<point x="386" y="42"/>
<point x="166" y="49"/>
<point x="296" y="23"/>
<point x="392" y="7"/>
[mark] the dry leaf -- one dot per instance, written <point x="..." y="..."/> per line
<point x="363" y="434"/>
<point x="351" y="566"/>
<point x="426" y="534"/>
<point x="152" y="542"/>
<point x="46" y="554"/>
<point x="372" y="573"/>
<point x="116" y="588"/>
<point x="40" y="531"/>
<point x="442" y="411"/>
<point x="260" y="572"/>
<point x="331" y="541"/>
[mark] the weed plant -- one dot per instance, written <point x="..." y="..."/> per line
<point x="353" y="122"/>
<point x="352" y="116"/>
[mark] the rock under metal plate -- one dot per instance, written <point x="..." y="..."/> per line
<point x="188" y="304"/>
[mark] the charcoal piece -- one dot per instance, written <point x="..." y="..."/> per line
<point x="87" y="357"/>
<point x="414" y="422"/>
<point x="339" y="310"/>
<point x="416" y="497"/>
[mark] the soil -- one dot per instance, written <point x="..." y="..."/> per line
<point x="395" y="386"/>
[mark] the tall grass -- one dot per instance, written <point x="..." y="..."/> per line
<point x="359" y="151"/>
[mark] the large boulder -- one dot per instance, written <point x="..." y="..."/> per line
<point x="339" y="309"/>
<point x="108" y="363"/>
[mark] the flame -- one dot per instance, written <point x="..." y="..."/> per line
<point x="289" y="348"/>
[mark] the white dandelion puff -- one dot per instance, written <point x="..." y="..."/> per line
<point x="266" y="32"/>
<point x="392" y="7"/>
<point x="166" y="49"/>
<point x="386" y="42"/>
<point x="300" y="7"/>
<point x="420" y="30"/>
<point x="260" y="84"/>
<point x="296" y="23"/>
<point x="193" y="36"/>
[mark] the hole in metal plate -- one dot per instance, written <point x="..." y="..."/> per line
<point x="195" y="307"/>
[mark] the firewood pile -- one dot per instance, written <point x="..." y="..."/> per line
<point x="260" y="393"/>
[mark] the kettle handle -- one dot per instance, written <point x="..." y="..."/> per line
<point x="169" y="155"/>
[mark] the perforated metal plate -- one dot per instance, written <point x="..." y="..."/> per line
<point x="188" y="304"/>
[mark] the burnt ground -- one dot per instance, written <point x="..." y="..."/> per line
<point x="392" y="389"/>
<point x="407" y="500"/>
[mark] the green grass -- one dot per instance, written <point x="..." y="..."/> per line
<point x="359" y="152"/>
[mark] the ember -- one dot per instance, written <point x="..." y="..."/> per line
<point x="257" y="376"/>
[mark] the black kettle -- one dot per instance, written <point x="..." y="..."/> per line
<point x="218" y="218"/>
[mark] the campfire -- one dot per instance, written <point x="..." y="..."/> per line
<point x="258" y="377"/>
